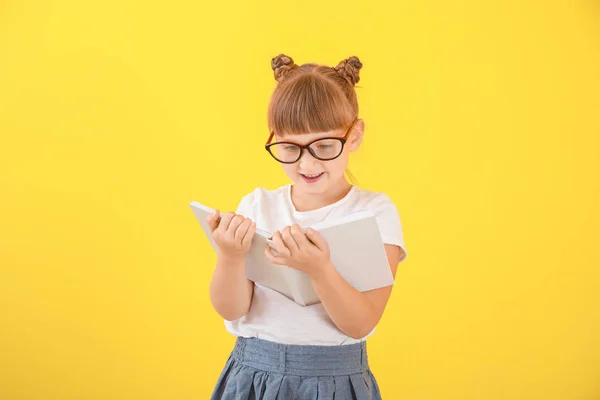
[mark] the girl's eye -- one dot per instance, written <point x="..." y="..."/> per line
<point x="325" y="146"/>
<point x="291" y="148"/>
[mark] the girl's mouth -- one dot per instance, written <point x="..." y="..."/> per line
<point x="312" y="178"/>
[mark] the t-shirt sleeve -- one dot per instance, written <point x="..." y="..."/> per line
<point x="246" y="206"/>
<point x="390" y="225"/>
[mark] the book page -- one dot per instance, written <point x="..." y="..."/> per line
<point x="357" y="253"/>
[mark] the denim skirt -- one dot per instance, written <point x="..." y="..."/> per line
<point x="260" y="369"/>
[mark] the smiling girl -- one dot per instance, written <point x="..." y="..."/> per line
<point x="284" y="350"/>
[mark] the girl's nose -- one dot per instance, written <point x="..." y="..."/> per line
<point x="306" y="159"/>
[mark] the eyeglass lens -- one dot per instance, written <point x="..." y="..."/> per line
<point x="324" y="149"/>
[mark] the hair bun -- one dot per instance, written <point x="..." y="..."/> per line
<point x="282" y="65"/>
<point x="349" y="69"/>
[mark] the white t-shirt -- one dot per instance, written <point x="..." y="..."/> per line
<point x="274" y="317"/>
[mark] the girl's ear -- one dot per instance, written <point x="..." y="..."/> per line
<point x="356" y="136"/>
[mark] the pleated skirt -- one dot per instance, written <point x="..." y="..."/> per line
<point x="258" y="369"/>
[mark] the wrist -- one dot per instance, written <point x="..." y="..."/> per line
<point x="231" y="260"/>
<point x="322" y="272"/>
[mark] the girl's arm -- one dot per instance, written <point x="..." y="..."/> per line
<point x="354" y="313"/>
<point x="230" y="291"/>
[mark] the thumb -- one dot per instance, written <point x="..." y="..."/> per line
<point x="274" y="259"/>
<point x="316" y="238"/>
<point x="214" y="219"/>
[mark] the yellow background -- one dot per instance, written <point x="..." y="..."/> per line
<point x="482" y="124"/>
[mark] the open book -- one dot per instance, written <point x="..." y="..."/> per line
<point x="356" y="251"/>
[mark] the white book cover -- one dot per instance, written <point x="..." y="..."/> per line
<point x="356" y="251"/>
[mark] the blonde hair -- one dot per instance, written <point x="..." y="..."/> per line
<point x="313" y="98"/>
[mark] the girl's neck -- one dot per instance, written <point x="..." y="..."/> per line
<point x="307" y="201"/>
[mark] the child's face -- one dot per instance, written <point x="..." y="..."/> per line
<point x="315" y="176"/>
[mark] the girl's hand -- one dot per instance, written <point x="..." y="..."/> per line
<point x="307" y="252"/>
<point x="232" y="233"/>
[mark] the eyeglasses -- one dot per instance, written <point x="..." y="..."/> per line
<point x="324" y="149"/>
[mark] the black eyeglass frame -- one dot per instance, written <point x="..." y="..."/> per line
<point x="342" y="139"/>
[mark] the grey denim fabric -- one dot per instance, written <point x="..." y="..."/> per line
<point x="262" y="370"/>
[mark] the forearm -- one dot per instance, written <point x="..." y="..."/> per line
<point x="350" y="310"/>
<point x="230" y="290"/>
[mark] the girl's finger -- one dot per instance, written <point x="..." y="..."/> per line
<point x="300" y="237"/>
<point x="213" y="220"/>
<point x="225" y="220"/>
<point x="278" y="260"/>
<point x="236" y="220"/>
<point x="241" y="230"/>
<point x="280" y="246"/>
<point x="289" y="241"/>
<point x="247" y="240"/>
<point x="317" y="239"/>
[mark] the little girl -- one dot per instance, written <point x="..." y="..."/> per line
<point x="284" y="350"/>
